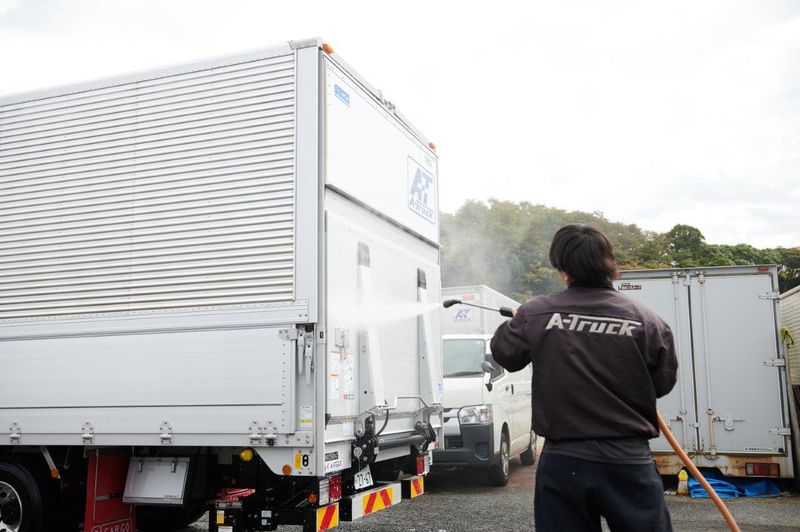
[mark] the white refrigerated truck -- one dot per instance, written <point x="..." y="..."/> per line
<point x="487" y="416"/>
<point x="729" y="408"/>
<point x="194" y="262"/>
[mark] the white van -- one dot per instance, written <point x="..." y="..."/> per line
<point x="487" y="416"/>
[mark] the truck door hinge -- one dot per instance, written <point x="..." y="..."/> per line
<point x="288" y="334"/>
<point x="308" y="355"/>
<point x="781" y="431"/>
<point x="776" y="363"/>
<point x="728" y="420"/>
<point x="769" y="295"/>
<point x="87" y="433"/>
<point x="256" y="434"/>
<point x="165" y="433"/>
<point x="14" y="433"/>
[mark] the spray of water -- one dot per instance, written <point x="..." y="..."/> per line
<point x="375" y="313"/>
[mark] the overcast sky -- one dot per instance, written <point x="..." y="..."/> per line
<point x="653" y="113"/>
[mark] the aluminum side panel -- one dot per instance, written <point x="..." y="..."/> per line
<point x="208" y="377"/>
<point x="170" y="191"/>
<point x="790" y="318"/>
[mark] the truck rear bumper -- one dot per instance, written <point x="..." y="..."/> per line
<point x="474" y="448"/>
<point x="370" y="501"/>
<point x="729" y="465"/>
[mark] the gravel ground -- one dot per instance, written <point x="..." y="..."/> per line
<point x="465" y="502"/>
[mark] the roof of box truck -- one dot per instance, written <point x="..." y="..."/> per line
<point x="211" y="62"/>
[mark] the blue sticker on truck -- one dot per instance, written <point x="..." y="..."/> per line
<point x="421" y="191"/>
<point x="341" y="94"/>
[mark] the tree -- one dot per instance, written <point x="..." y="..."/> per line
<point x="505" y="245"/>
<point x="789" y="269"/>
<point x="685" y="245"/>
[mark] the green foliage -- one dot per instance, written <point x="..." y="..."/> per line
<point x="505" y="245"/>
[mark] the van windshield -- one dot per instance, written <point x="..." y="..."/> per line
<point x="463" y="357"/>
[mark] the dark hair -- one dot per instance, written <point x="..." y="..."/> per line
<point x="585" y="254"/>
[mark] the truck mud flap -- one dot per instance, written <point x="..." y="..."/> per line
<point x="413" y="486"/>
<point x="370" y="501"/>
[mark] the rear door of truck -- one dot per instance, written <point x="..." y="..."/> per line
<point x="738" y="383"/>
<point x="729" y="394"/>
<point x="668" y="295"/>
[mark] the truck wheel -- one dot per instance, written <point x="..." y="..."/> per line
<point x="498" y="473"/>
<point x="528" y="457"/>
<point x="159" y="519"/>
<point x="22" y="506"/>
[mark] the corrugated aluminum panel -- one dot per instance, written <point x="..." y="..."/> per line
<point x="790" y="318"/>
<point x="167" y="193"/>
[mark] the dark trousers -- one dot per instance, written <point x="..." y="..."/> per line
<point x="571" y="495"/>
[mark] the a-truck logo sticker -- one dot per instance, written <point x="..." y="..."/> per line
<point x="630" y="286"/>
<point x="463" y="314"/>
<point x="421" y="191"/>
<point x="341" y="94"/>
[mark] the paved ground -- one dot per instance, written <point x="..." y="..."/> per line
<point x="465" y="502"/>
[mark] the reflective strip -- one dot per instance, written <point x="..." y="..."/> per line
<point x="377" y="500"/>
<point x="417" y="487"/>
<point x="328" y="517"/>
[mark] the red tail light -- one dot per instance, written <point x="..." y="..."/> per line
<point x="420" y="465"/>
<point x="335" y="488"/>
<point x="763" y="470"/>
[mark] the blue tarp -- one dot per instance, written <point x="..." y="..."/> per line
<point x="731" y="487"/>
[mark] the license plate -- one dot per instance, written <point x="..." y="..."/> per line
<point x="363" y="479"/>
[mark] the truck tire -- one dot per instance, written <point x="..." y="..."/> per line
<point x="528" y="457"/>
<point x="160" y="519"/>
<point x="498" y="473"/>
<point x="22" y="500"/>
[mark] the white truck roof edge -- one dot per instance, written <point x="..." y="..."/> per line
<point x="377" y="94"/>
<point x="158" y="72"/>
<point x="791" y="292"/>
<point x="708" y="270"/>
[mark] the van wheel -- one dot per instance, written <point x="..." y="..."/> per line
<point x="498" y="473"/>
<point x="22" y="506"/>
<point x="528" y="457"/>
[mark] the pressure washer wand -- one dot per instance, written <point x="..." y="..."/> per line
<point x="508" y="312"/>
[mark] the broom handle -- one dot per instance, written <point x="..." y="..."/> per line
<point x="723" y="509"/>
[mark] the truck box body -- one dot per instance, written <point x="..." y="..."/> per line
<point x="729" y="407"/>
<point x="193" y="256"/>
<point x="460" y="319"/>
<point x="790" y="319"/>
<point x="505" y="397"/>
<point x="790" y="342"/>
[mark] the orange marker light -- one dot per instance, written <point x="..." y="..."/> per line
<point x="432" y="146"/>
<point x="287" y="469"/>
<point x="312" y="498"/>
<point x="328" y="48"/>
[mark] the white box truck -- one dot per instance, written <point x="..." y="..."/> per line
<point x="194" y="265"/>
<point x="729" y="408"/>
<point x="487" y="416"/>
<point x="789" y="303"/>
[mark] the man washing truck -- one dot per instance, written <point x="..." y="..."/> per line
<point x="600" y="361"/>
